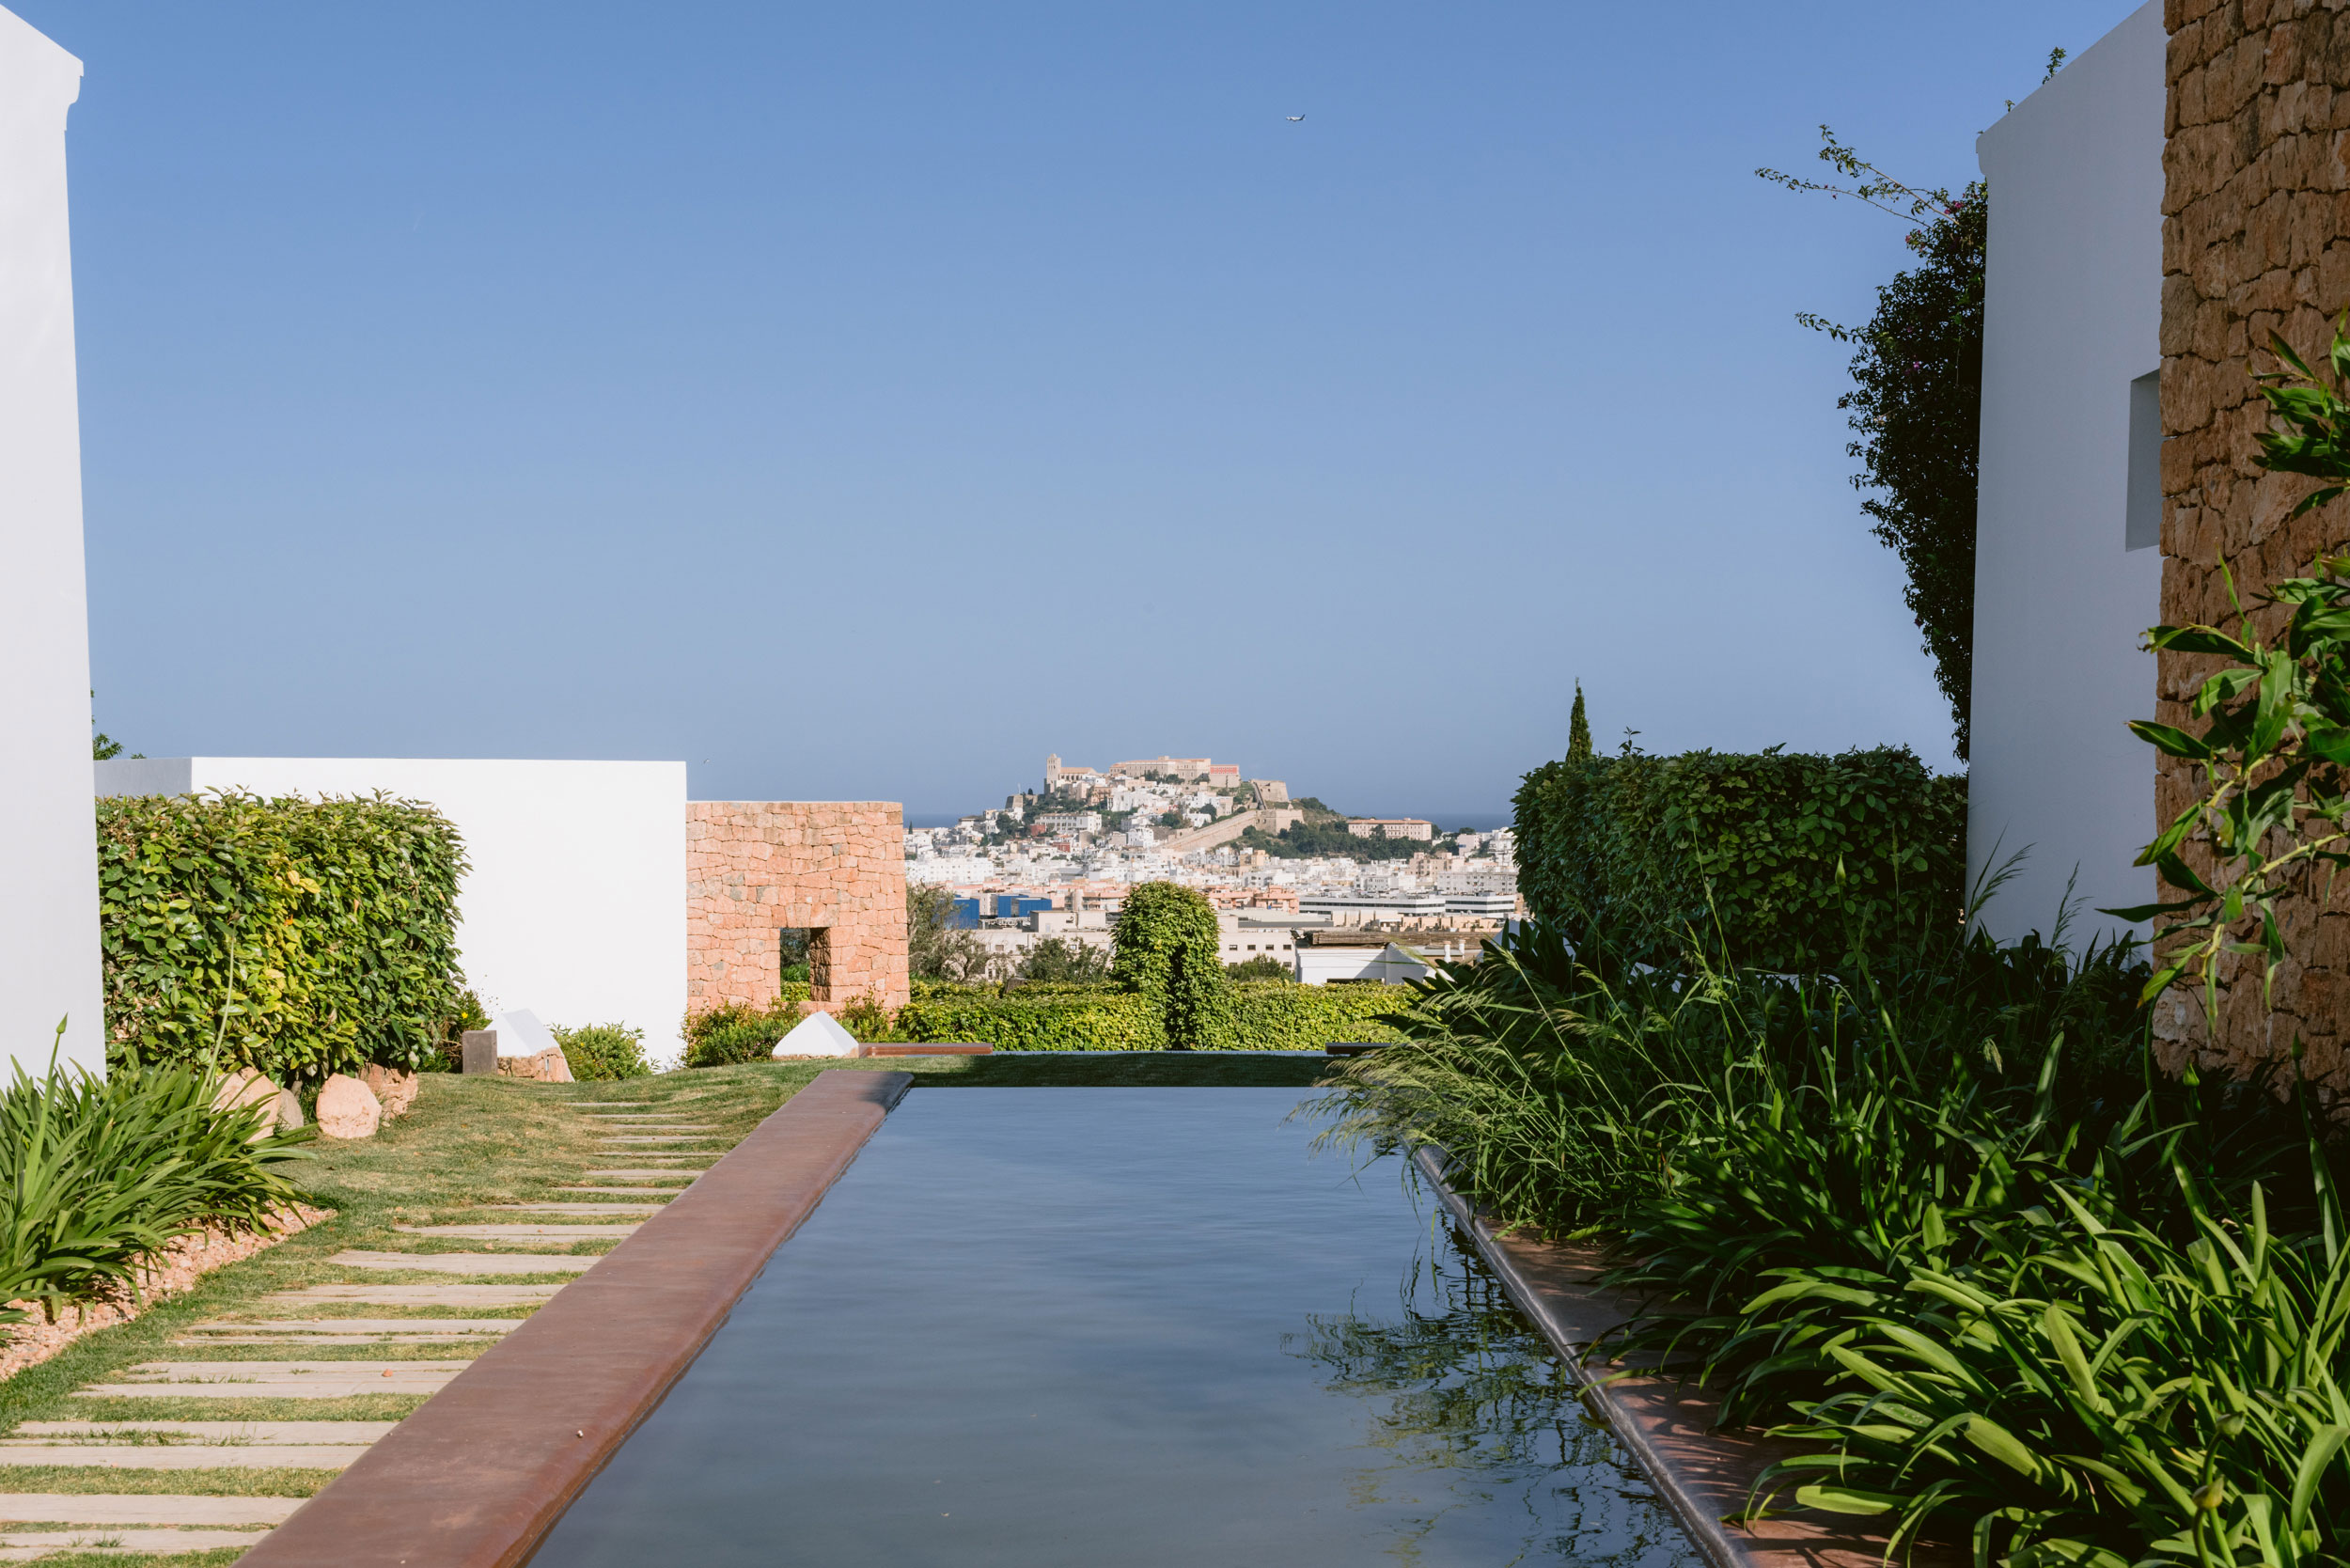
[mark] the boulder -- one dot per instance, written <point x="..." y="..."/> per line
<point x="347" y="1108"/>
<point x="289" y="1110"/>
<point x="394" y="1090"/>
<point x="549" y="1066"/>
<point x="245" y="1087"/>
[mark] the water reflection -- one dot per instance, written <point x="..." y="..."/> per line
<point x="1471" y="1418"/>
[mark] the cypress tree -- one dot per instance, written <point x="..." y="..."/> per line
<point x="1578" y="730"/>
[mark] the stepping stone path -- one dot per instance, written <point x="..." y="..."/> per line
<point x="164" y="1523"/>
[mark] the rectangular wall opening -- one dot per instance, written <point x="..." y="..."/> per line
<point x="2142" y="503"/>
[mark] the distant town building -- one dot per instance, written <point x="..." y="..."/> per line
<point x="1391" y="827"/>
<point x="1070" y="821"/>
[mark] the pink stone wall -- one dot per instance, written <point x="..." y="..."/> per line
<point x="754" y="868"/>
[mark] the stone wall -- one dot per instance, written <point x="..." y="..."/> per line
<point x="2256" y="239"/>
<point x="754" y="869"/>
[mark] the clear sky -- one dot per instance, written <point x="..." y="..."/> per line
<point x="860" y="402"/>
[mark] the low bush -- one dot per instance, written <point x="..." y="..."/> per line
<point x="298" y="937"/>
<point x="98" y="1173"/>
<point x="737" y="1033"/>
<point x="604" y="1051"/>
<point x="1793" y="864"/>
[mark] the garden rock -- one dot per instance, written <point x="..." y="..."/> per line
<point x="289" y="1110"/>
<point x="547" y="1067"/>
<point x="246" y="1087"/>
<point x="347" y="1108"/>
<point x="819" y="1034"/>
<point x="394" y="1090"/>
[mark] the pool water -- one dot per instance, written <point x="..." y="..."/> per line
<point x="1096" y="1327"/>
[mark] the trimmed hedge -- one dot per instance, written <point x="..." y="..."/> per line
<point x="1787" y="863"/>
<point x="1279" y="1015"/>
<point x="304" y="937"/>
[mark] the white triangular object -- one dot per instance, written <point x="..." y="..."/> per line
<point x="521" y="1034"/>
<point x="819" y="1034"/>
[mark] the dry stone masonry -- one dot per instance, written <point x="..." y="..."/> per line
<point x="756" y="868"/>
<point x="2255" y="240"/>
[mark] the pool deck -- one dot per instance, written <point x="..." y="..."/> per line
<point x="1702" y="1472"/>
<point x="480" y="1474"/>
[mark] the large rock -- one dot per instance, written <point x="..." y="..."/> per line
<point x="247" y="1088"/>
<point x="289" y="1115"/>
<point x="548" y="1067"/>
<point x="394" y="1090"/>
<point x="347" y="1108"/>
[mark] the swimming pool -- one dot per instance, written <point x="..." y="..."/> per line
<point x="1090" y="1327"/>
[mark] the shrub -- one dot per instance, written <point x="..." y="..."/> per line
<point x="1169" y="947"/>
<point x="1054" y="961"/>
<point x="736" y="1032"/>
<point x="95" y="1174"/>
<point x="605" y="1051"/>
<point x="1278" y="1015"/>
<point x="298" y="937"/>
<point x="1791" y="864"/>
<point x="1261" y="968"/>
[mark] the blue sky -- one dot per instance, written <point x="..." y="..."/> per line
<point x="860" y="402"/>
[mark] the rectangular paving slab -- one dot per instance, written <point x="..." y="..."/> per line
<point x="671" y="1190"/>
<point x="365" y="1326"/>
<point x="467" y="1262"/>
<point x="678" y="1137"/>
<point x="519" y="1232"/>
<point x="233" y="1433"/>
<point x="101" y="1508"/>
<point x="31" y="1546"/>
<point x="417" y="1296"/>
<point x="640" y="1210"/>
<point x="126" y="1456"/>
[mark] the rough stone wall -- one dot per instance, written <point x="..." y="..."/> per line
<point x="754" y="869"/>
<point x="2255" y="240"/>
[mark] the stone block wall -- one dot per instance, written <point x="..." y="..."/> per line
<point x="2255" y="240"/>
<point x="754" y="869"/>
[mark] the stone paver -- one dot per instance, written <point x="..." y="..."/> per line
<point x="234" y="1433"/>
<point x="31" y="1546"/>
<point x="646" y="1171"/>
<point x="123" y="1456"/>
<point x="274" y="1380"/>
<point x="365" y="1326"/>
<point x="666" y="1139"/>
<point x="641" y="1209"/>
<point x="417" y="1296"/>
<point x="101" y="1508"/>
<point x="467" y="1262"/>
<point x="519" y="1232"/>
<point x="663" y="1190"/>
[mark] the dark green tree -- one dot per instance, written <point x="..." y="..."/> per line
<point x="1916" y="401"/>
<point x="1168" y="945"/>
<point x="1578" y="730"/>
<point x="1064" y="961"/>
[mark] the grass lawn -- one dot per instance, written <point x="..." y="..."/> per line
<point x="470" y="1142"/>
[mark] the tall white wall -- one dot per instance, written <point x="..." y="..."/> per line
<point x="575" y="907"/>
<point x="2073" y="315"/>
<point x="48" y="850"/>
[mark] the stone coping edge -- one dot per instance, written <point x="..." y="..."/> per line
<point x="1700" y="1470"/>
<point x="477" y="1476"/>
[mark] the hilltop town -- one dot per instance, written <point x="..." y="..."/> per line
<point x="1048" y="859"/>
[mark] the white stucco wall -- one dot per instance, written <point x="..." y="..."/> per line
<point x="575" y="907"/>
<point x="2073" y="312"/>
<point x="48" y="850"/>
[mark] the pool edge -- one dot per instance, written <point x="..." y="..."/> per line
<point x="1699" y="1471"/>
<point x="478" y="1475"/>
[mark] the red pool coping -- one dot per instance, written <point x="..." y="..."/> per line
<point x="480" y="1474"/>
<point x="1704" y="1472"/>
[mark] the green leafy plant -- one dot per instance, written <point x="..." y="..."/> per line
<point x="1785" y="863"/>
<point x="1055" y="961"/>
<point x="298" y="937"/>
<point x="604" y="1051"/>
<point x="1261" y="968"/>
<point x="1167" y="946"/>
<point x="96" y="1175"/>
<point x="2273" y="801"/>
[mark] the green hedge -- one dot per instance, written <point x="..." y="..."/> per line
<point x="306" y="938"/>
<point x="1278" y="1015"/>
<point x="1791" y="863"/>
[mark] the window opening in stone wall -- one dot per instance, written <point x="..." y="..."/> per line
<point x="2142" y="498"/>
<point x="794" y="944"/>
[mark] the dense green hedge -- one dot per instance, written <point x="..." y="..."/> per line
<point x="1278" y="1015"/>
<point x="1788" y="863"/>
<point x="304" y="937"/>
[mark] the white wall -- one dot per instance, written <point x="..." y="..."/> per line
<point x="48" y="850"/>
<point x="2073" y="315"/>
<point x="575" y="907"/>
